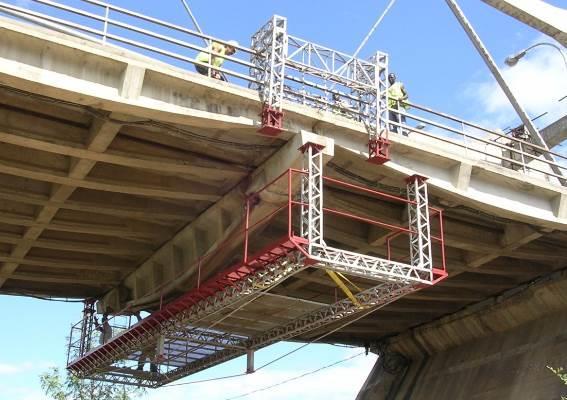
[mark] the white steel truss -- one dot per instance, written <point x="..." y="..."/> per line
<point x="376" y="122"/>
<point x="370" y="267"/>
<point x="419" y="270"/>
<point x="420" y="235"/>
<point x="312" y="196"/>
<point x="270" y="44"/>
<point x="370" y="299"/>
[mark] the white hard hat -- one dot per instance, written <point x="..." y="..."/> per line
<point x="233" y="43"/>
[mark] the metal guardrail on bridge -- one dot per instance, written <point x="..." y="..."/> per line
<point x="313" y="75"/>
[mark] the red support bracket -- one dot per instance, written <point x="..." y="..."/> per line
<point x="438" y="275"/>
<point x="316" y="146"/>
<point x="420" y="178"/>
<point x="272" y="121"/>
<point x="378" y="150"/>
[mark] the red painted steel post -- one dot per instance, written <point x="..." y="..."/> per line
<point x="246" y="228"/>
<point x="442" y="239"/>
<point x="289" y="203"/>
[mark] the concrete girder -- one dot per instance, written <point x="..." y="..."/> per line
<point x="179" y="259"/>
<point x="459" y="235"/>
<point x="132" y="250"/>
<point x="136" y="231"/>
<point x="101" y="135"/>
<point x="161" y="212"/>
<point x="159" y="164"/>
<point x="103" y="264"/>
<point x="515" y="236"/>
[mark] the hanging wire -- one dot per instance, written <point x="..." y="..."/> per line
<point x="188" y="9"/>
<point x="296" y="377"/>
<point x="369" y="311"/>
<point x="46" y="298"/>
<point x="143" y="122"/>
<point x="367" y="37"/>
<point x="205" y="380"/>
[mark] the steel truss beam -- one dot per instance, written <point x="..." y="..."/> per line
<point x="420" y="234"/>
<point x="237" y="284"/>
<point x="371" y="299"/>
<point x="294" y="69"/>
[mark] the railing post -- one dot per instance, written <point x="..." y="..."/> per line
<point x="524" y="169"/>
<point x="105" y="29"/>
<point x="464" y="138"/>
<point x="420" y="230"/>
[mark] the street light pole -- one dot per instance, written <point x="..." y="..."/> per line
<point x="483" y="51"/>
<point x="513" y="60"/>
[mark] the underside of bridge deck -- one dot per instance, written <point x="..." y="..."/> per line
<point x="129" y="181"/>
<point x="96" y="204"/>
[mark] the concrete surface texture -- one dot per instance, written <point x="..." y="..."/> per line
<point x="496" y="350"/>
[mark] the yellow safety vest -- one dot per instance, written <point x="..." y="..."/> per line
<point x="217" y="49"/>
<point x="395" y="93"/>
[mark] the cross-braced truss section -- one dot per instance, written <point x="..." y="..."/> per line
<point x="197" y="330"/>
<point x="270" y="46"/>
<point x="291" y="68"/>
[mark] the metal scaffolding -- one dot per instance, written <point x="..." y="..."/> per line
<point x="291" y="68"/>
<point x="270" y="53"/>
<point x="186" y="335"/>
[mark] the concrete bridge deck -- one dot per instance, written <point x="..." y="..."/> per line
<point x="118" y="172"/>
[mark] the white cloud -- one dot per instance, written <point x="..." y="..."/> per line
<point x="21" y="392"/>
<point x="9" y="369"/>
<point x="340" y="382"/>
<point x="24" y="367"/>
<point x="538" y="81"/>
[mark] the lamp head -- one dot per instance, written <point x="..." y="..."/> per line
<point x="513" y="60"/>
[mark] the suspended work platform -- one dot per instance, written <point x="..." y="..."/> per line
<point x="193" y="333"/>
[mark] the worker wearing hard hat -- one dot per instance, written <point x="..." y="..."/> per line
<point x="397" y="96"/>
<point x="215" y="58"/>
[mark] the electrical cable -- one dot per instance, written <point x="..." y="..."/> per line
<point x="367" y="37"/>
<point x="345" y="346"/>
<point x="296" y="377"/>
<point x="144" y="122"/>
<point x="387" y="188"/>
<point x="34" y="296"/>
<point x="362" y="315"/>
<point x="205" y="380"/>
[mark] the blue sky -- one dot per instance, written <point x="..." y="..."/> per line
<point x="440" y="68"/>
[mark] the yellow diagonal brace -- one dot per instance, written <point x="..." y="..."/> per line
<point x="343" y="287"/>
<point x="349" y="281"/>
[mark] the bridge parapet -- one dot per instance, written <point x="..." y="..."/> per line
<point x="330" y="83"/>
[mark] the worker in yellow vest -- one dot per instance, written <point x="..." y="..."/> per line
<point x="397" y="96"/>
<point x="215" y="58"/>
